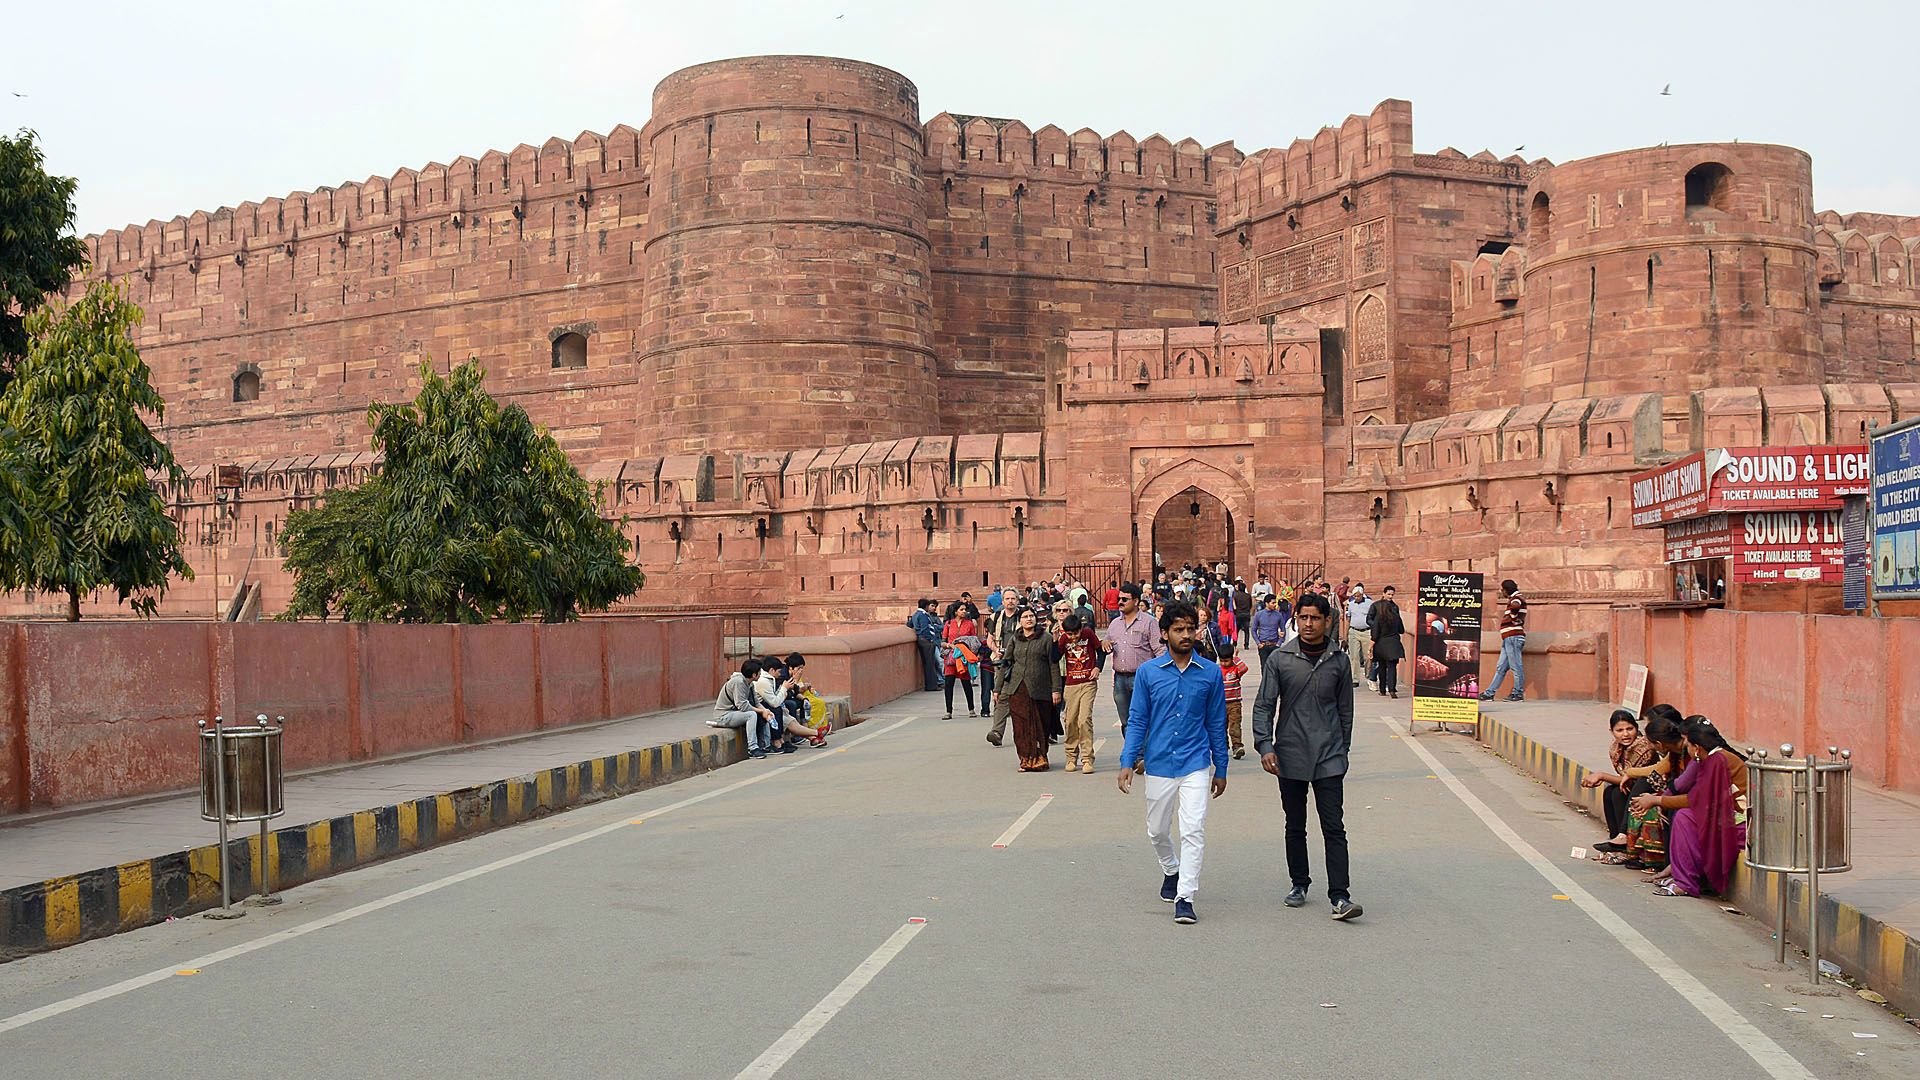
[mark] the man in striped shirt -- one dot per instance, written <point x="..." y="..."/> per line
<point x="1513" y="639"/>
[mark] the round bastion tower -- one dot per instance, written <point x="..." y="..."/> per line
<point x="1672" y="269"/>
<point x="787" y="299"/>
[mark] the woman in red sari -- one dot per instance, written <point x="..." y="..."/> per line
<point x="1708" y="821"/>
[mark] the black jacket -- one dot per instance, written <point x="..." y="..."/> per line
<point x="1386" y="627"/>
<point x="1304" y="714"/>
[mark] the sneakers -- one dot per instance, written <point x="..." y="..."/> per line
<point x="818" y="740"/>
<point x="1073" y="761"/>
<point x="1515" y="697"/>
<point x="756" y="752"/>
<point x="788" y="747"/>
<point x="1170" y="888"/>
<point x="1486" y="695"/>
<point x="1345" y="910"/>
<point x="1296" y="898"/>
<point x="992" y="741"/>
<point x="1086" y="764"/>
<point x="1183" y="912"/>
<point x="1239" y="752"/>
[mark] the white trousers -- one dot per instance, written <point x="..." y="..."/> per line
<point x="1191" y="792"/>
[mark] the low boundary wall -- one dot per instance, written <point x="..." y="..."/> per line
<point x="93" y="711"/>
<point x="1768" y="677"/>
<point x="869" y="666"/>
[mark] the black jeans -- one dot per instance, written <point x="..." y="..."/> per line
<point x="964" y="685"/>
<point x="1389" y="675"/>
<point x="1328" y="794"/>
<point x="930" y="663"/>
<point x="1615" y="802"/>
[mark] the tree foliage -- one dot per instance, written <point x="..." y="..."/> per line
<point x="476" y="515"/>
<point x="38" y="251"/>
<point x="79" y="460"/>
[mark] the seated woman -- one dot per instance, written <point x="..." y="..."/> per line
<point x="1646" y="824"/>
<point x="1706" y="808"/>
<point x="1629" y="750"/>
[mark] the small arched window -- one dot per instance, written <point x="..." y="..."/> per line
<point x="1538" y="220"/>
<point x="1710" y="184"/>
<point x="570" y="350"/>
<point x="246" y="384"/>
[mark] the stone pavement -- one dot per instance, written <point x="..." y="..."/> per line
<point x="1883" y="887"/>
<point x="36" y="847"/>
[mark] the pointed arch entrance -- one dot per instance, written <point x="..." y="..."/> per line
<point x="1193" y="527"/>
<point x="1165" y="522"/>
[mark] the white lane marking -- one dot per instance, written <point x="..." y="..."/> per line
<point x="809" y="1025"/>
<point x="201" y="963"/>
<point x="1020" y="824"/>
<point x="1098" y="743"/>
<point x="1766" y="1053"/>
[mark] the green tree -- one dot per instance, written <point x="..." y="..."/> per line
<point x="38" y="251"/>
<point x="80" y="458"/>
<point x="476" y="515"/>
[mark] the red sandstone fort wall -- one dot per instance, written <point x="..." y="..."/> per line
<point x="1040" y="233"/>
<point x="336" y="296"/>
<point x="787" y="281"/>
<point x="1869" y="294"/>
<point x="1352" y="229"/>
<point x="1630" y="287"/>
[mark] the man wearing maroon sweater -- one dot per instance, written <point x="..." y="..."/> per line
<point x="1513" y="639"/>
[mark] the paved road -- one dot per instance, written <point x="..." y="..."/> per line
<point x="761" y="914"/>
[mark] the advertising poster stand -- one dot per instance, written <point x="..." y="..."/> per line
<point x="1446" y="649"/>
<point x="1894" y="520"/>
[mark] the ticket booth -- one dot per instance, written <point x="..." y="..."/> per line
<point x="1754" y="527"/>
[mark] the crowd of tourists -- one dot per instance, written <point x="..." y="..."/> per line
<point x="770" y="700"/>
<point x="1174" y="646"/>
<point x="1675" y="801"/>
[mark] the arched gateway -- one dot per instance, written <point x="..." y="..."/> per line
<point x="1191" y="510"/>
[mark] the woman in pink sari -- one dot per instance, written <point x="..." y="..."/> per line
<point x="1707" y="808"/>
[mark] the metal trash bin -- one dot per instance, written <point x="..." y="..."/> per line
<point x="1800" y="821"/>
<point x="252" y="773"/>
<point x="242" y="778"/>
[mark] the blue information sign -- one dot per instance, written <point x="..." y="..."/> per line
<point x="1896" y="512"/>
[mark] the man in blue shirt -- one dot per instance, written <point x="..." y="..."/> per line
<point x="1177" y="721"/>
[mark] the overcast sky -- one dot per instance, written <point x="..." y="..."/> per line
<point x="162" y="109"/>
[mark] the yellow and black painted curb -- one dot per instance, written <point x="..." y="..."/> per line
<point x="1880" y="956"/>
<point x="60" y="911"/>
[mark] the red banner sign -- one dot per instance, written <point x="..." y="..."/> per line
<point x="1787" y="478"/>
<point x="1699" y="538"/>
<point x="1771" y="478"/>
<point x="1787" y="546"/>
<point x="1673" y="492"/>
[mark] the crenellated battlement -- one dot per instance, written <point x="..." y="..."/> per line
<point x="1358" y="149"/>
<point x="1873" y="252"/>
<point x="958" y="142"/>
<point x="432" y="193"/>
<point x="1620" y="432"/>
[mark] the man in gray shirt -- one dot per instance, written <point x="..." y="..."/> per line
<point x="1132" y="640"/>
<point x="1303" y="731"/>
